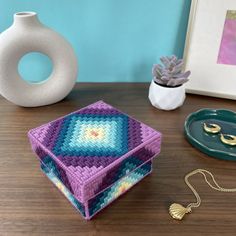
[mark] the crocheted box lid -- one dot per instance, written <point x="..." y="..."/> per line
<point x="88" y="143"/>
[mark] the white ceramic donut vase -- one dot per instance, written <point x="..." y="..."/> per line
<point x="26" y="35"/>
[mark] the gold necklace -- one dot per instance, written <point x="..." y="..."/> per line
<point x="177" y="211"/>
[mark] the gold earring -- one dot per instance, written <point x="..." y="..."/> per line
<point x="228" y="139"/>
<point x="211" y="128"/>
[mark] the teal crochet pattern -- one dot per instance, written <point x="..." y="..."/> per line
<point x="93" y="135"/>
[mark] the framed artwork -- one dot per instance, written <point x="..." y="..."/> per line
<point x="210" y="49"/>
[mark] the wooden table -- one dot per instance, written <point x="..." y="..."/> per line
<point x="31" y="205"/>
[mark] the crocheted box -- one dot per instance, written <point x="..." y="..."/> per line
<point x="94" y="155"/>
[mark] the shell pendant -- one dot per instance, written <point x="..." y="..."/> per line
<point x="177" y="211"/>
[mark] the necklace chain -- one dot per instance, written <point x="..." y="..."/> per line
<point x="214" y="186"/>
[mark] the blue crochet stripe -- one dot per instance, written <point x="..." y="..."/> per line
<point x="51" y="165"/>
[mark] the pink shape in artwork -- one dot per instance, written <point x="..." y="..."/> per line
<point x="227" y="52"/>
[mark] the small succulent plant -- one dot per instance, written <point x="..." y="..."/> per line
<point x="170" y="74"/>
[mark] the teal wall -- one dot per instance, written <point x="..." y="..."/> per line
<point x="115" y="40"/>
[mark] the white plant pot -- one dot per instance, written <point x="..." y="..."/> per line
<point x="166" y="98"/>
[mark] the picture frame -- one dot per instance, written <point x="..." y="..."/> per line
<point x="210" y="48"/>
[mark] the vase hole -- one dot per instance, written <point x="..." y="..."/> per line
<point x="25" y="13"/>
<point x="35" y="67"/>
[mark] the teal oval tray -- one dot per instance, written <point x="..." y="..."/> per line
<point x="209" y="143"/>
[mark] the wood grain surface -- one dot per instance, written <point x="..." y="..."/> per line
<point x="31" y="205"/>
